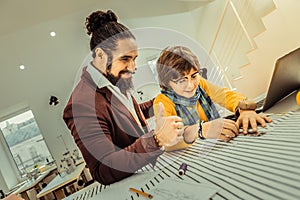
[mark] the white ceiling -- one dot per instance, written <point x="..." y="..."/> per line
<point x="20" y="14"/>
<point x="24" y="38"/>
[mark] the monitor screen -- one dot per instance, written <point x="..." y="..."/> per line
<point x="285" y="78"/>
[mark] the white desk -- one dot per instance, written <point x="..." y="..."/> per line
<point x="29" y="184"/>
<point x="249" y="167"/>
<point x="61" y="181"/>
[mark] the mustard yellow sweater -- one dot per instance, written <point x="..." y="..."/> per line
<point x="219" y="95"/>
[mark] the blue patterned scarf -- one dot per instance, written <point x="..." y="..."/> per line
<point x="185" y="107"/>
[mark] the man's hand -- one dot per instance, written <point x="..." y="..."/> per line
<point x="168" y="130"/>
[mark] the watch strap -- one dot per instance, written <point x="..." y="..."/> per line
<point x="200" y="133"/>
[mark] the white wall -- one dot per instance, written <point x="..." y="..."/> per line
<point x="281" y="36"/>
<point x="50" y="70"/>
<point x="8" y="178"/>
<point x="250" y="65"/>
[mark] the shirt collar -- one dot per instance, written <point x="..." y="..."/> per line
<point x="100" y="80"/>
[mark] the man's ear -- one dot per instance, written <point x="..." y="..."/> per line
<point x="100" y="59"/>
<point x="99" y="53"/>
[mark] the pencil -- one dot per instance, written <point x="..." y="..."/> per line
<point x="141" y="193"/>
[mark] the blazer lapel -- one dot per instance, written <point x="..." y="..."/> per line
<point x="119" y="106"/>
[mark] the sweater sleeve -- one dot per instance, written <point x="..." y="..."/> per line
<point x="168" y="105"/>
<point x="221" y="95"/>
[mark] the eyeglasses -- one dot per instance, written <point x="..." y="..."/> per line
<point x="183" y="82"/>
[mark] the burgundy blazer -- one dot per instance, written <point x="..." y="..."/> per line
<point x="110" y="140"/>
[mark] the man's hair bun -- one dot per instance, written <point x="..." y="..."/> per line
<point x="111" y="16"/>
<point x="98" y="19"/>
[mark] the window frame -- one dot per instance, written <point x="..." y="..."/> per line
<point x="7" y="150"/>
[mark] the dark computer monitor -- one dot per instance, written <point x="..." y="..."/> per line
<point x="285" y="78"/>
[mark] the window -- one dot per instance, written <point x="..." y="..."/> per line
<point x="152" y="65"/>
<point x="25" y="142"/>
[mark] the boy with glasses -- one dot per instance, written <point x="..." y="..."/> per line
<point x="186" y="94"/>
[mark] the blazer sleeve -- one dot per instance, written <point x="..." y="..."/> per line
<point x="147" y="108"/>
<point x="93" y="133"/>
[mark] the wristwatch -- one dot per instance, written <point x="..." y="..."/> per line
<point x="200" y="133"/>
<point x="245" y="105"/>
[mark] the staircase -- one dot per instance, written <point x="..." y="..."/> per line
<point x="280" y="37"/>
<point x="238" y="23"/>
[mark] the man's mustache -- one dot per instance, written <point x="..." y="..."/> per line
<point x="126" y="71"/>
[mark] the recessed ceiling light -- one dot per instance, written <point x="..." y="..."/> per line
<point x="22" y="67"/>
<point x="52" y="34"/>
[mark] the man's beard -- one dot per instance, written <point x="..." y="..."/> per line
<point x="123" y="84"/>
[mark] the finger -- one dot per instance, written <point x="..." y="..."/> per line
<point x="175" y="119"/>
<point x="176" y="140"/>
<point x="245" y="125"/>
<point x="236" y="126"/>
<point x="236" y="123"/>
<point x="224" y="138"/>
<point x="239" y="122"/>
<point x="228" y="133"/>
<point x="179" y="138"/>
<point x="179" y="125"/>
<point x="231" y="125"/>
<point x="161" y="110"/>
<point x="180" y="132"/>
<point x="253" y="124"/>
<point x="267" y="119"/>
<point x="261" y="121"/>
